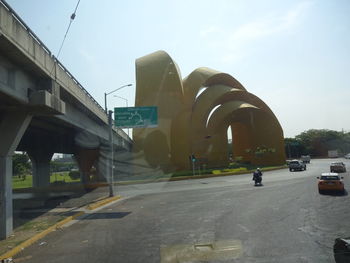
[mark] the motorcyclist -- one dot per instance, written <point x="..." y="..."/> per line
<point x="257" y="176"/>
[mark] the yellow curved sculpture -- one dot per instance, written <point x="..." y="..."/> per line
<point x="194" y="115"/>
<point x="222" y="117"/>
<point x="158" y="83"/>
<point x="205" y="77"/>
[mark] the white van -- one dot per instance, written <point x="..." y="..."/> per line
<point x="305" y="158"/>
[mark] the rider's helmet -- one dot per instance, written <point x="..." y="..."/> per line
<point x="258" y="169"/>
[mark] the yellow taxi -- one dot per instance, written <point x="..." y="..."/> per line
<point x="330" y="182"/>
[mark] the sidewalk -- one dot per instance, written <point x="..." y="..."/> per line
<point x="37" y="212"/>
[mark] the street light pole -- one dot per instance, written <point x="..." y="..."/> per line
<point x="126" y="106"/>
<point x="110" y="140"/>
<point x="106" y="94"/>
<point x="105" y="102"/>
<point x="126" y="101"/>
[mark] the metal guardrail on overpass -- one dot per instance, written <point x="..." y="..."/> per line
<point x="15" y="30"/>
<point x="32" y="34"/>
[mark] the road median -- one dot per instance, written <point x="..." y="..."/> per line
<point x="192" y="177"/>
<point x="75" y="186"/>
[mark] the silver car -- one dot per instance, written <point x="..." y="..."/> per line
<point x="297" y="165"/>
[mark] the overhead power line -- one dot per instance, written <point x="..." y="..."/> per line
<point x="70" y="23"/>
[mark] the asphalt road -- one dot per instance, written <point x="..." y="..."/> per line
<point x="222" y="219"/>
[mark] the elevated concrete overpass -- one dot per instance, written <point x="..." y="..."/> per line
<point x="44" y="110"/>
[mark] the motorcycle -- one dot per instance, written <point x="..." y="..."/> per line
<point x="257" y="178"/>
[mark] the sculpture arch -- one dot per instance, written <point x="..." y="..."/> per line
<point x="184" y="126"/>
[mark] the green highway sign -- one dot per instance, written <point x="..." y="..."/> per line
<point x="136" y="117"/>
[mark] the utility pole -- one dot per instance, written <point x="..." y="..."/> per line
<point x="111" y="163"/>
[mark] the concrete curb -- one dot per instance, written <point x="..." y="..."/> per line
<point x="103" y="202"/>
<point x="38" y="236"/>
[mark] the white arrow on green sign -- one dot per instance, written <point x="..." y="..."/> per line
<point x="136" y="117"/>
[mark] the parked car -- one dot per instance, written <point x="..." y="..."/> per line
<point x="347" y="156"/>
<point x="305" y="158"/>
<point x="337" y="167"/>
<point x="297" y="165"/>
<point x="341" y="250"/>
<point x="330" y="182"/>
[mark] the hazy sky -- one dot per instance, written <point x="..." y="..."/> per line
<point x="294" y="55"/>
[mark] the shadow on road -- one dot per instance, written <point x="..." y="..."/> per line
<point x="113" y="215"/>
<point x="332" y="193"/>
<point x="31" y="205"/>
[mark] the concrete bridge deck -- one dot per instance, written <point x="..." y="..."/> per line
<point x="44" y="110"/>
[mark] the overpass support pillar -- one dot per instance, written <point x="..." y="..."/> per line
<point x="40" y="158"/>
<point x="12" y="128"/>
<point x="86" y="158"/>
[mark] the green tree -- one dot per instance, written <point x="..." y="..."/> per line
<point x="294" y="148"/>
<point x="21" y="164"/>
<point x="317" y="142"/>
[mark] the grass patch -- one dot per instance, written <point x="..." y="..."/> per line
<point x="21" y="183"/>
<point x="39" y="225"/>
<point x="247" y="168"/>
<point x="234" y="170"/>
<point x="60" y="177"/>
